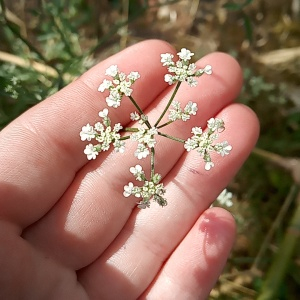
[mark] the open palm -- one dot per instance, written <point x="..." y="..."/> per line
<point x="66" y="230"/>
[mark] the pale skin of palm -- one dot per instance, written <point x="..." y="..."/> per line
<point x="66" y="230"/>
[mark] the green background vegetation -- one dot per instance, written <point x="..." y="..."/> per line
<point x="47" y="44"/>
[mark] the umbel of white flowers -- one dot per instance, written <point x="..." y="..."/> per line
<point x="105" y="135"/>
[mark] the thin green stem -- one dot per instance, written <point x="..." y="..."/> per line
<point x="130" y="129"/>
<point x="169" y="103"/>
<point x="275" y="225"/>
<point x="278" y="270"/>
<point x="136" y="105"/>
<point x="123" y="138"/>
<point x="152" y="162"/>
<point x="64" y="39"/>
<point x="171" y="137"/>
<point x="165" y="124"/>
<point x="132" y="16"/>
<point x="139" y="110"/>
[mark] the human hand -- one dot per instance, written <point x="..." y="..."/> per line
<point x="66" y="230"/>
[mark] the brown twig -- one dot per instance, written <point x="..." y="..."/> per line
<point x="39" y="67"/>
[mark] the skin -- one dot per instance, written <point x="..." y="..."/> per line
<point x="66" y="230"/>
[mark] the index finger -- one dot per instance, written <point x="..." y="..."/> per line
<point x="41" y="151"/>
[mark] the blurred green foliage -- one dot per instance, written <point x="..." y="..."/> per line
<point x="56" y="43"/>
<point x="239" y="7"/>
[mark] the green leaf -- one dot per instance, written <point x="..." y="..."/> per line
<point x="248" y="2"/>
<point x="233" y="6"/>
<point x="248" y="28"/>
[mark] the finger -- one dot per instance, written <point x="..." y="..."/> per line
<point x="41" y="149"/>
<point x="93" y="210"/>
<point x="151" y="235"/>
<point x="29" y="274"/>
<point x="195" y="265"/>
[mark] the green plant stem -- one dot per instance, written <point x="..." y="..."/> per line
<point x="62" y="35"/>
<point x="130" y="129"/>
<point x="278" y="269"/>
<point x="139" y="110"/>
<point x="136" y="105"/>
<point x="165" y="124"/>
<point x="123" y="138"/>
<point x="278" y="220"/>
<point x="169" y="103"/>
<point x="171" y="137"/>
<point x="108" y="36"/>
<point x="125" y="13"/>
<point x="152" y="162"/>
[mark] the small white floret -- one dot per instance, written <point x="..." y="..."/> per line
<point x="119" y="146"/>
<point x="90" y="152"/>
<point x="112" y="71"/>
<point x="209" y="165"/>
<point x="134" y="116"/>
<point x="185" y="54"/>
<point x="224" y="148"/>
<point x="225" y="198"/>
<point x="128" y="189"/>
<point x="191" y="81"/>
<point x="113" y="101"/>
<point x="133" y="76"/>
<point x="103" y="113"/>
<point x="141" y="152"/>
<point x="208" y="70"/>
<point x="169" y="79"/>
<point x="105" y="85"/>
<point x="197" y="130"/>
<point x="87" y="133"/>
<point x="135" y="170"/>
<point x="166" y="59"/>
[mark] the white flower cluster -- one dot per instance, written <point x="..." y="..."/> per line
<point x="145" y="133"/>
<point x="182" y="70"/>
<point x="119" y="86"/>
<point x="150" y="189"/>
<point x="104" y="134"/>
<point x="225" y="198"/>
<point x="145" y="139"/>
<point x="178" y="114"/>
<point x="203" y="142"/>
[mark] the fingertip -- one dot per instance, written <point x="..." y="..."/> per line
<point x="227" y="75"/>
<point x="251" y="118"/>
<point x="195" y="265"/>
<point x="161" y="45"/>
<point x="243" y="124"/>
<point x="227" y="63"/>
<point x="219" y="226"/>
